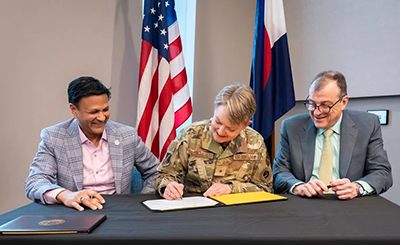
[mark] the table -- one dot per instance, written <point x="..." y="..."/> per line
<point x="320" y="220"/>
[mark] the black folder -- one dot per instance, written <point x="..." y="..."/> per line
<point x="52" y="224"/>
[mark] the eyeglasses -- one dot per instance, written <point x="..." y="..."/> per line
<point x="311" y="106"/>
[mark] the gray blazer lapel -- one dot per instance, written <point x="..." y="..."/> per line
<point x="308" y="148"/>
<point x="348" y="136"/>
<point x="116" y="153"/>
<point x="73" y="149"/>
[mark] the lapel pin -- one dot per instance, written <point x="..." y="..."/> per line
<point x="116" y="142"/>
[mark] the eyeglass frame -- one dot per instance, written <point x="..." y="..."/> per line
<point x="317" y="106"/>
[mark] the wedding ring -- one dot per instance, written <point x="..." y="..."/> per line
<point x="169" y="193"/>
<point x="81" y="200"/>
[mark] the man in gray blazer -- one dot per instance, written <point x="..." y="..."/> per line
<point x="360" y="165"/>
<point x="89" y="155"/>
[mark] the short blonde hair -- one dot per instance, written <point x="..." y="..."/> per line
<point x="239" y="101"/>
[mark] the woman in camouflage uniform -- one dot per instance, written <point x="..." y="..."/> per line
<point x="218" y="156"/>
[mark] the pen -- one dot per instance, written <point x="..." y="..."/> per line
<point x="328" y="186"/>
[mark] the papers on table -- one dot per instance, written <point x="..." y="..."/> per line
<point x="199" y="201"/>
<point x="184" y="203"/>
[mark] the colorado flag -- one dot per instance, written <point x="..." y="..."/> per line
<point x="271" y="75"/>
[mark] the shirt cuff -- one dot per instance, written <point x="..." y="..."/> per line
<point x="368" y="189"/>
<point x="293" y="186"/>
<point x="50" y="196"/>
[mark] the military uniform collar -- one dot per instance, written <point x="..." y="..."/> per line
<point x="236" y="145"/>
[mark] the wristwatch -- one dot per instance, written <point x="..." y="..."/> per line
<point x="360" y="189"/>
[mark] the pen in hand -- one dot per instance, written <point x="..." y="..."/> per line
<point x="328" y="186"/>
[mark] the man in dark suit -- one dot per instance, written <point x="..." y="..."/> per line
<point x="359" y="164"/>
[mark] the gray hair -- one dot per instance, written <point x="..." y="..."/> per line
<point x="323" y="78"/>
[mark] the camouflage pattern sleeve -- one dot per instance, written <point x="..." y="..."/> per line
<point x="174" y="165"/>
<point x="258" y="171"/>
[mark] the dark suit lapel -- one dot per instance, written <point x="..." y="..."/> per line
<point x="116" y="152"/>
<point x="348" y="136"/>
<point x="73" y="149"/>
<point x="308" y="148"/>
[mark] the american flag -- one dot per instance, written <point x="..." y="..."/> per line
<point x="163" y="97"/>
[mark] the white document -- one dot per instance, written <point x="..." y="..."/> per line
<point x="184" y="203"/>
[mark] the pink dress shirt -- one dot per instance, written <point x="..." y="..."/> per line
<point x="98" y="174"/>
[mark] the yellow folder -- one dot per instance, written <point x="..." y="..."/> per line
<point x="248" y="197"/>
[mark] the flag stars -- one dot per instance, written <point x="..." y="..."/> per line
<point x="153" y="11"/>
<point x="155" y="32"/>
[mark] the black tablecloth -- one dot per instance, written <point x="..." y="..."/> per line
<point x="321" y="220"/>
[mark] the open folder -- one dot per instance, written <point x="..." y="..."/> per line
<point x="200" y="201"/>
<point x="51" y="224"/>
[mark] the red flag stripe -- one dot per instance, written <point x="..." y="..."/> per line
<point x="267" y="58"/>
<point x="152" y="98"/>
<point x="163" y="90"/>
<point x="179" y="81"/>
<point x="183" y="113"/>
<point x="175" y="48"/>
<point x="170" y="138"/>
<point x="166" y="91"/>
<point x="145" y="54"/>
<point x="155" y="146"/>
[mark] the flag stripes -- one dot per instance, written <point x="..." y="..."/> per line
<point x="271" y="74"/>
<point x="164" y="101"/>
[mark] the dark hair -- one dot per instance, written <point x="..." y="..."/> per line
<point x="322" y="78"/>
<point x="85" y="86"/>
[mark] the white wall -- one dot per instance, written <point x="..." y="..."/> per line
<point x="223" y="49"/>
<point x="356" y="37"/>
<point x="44" y="45"/>
<point x="125" y="60"/>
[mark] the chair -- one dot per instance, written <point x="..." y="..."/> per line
<point x="137" y="181"/>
